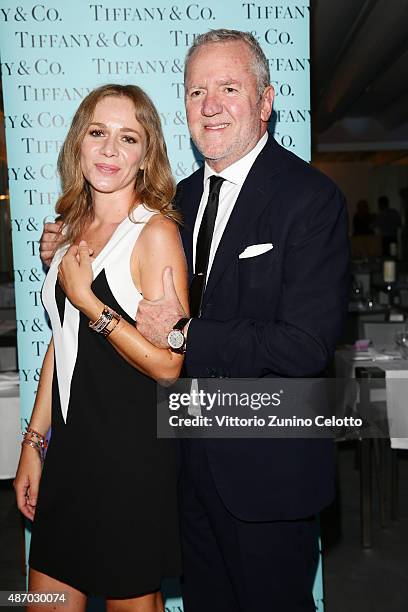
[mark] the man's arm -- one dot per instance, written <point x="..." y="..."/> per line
<point x="300" y="340"/>
<point x="49" y="241"/>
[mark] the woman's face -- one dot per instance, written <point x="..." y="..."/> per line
<point x="114" y="146"/>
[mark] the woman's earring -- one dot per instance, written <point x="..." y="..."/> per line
<point x="144" y="182"/>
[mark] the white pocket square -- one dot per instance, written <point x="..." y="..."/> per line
<point x="255" y="249"/>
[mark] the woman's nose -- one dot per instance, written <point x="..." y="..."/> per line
<point x="109" y="147"/>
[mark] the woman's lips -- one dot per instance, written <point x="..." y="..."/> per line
<point x="107" y="168"/>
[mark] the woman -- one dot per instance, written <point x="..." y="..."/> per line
<point x="106" y="518"/>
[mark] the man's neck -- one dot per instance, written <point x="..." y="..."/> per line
<point x="221" y="164"/>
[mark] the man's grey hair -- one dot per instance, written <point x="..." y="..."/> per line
<point x="260" y="63"/>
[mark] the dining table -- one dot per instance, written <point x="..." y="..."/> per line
<point x="394" y="394"/>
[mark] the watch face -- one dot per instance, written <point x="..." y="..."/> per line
<point x="175" y="339"/>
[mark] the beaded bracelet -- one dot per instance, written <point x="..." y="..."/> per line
<point x="36" y="445"/>
<point x="35" y="440"/>
<point x="34" y="434"/>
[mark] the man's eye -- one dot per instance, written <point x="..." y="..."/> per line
<point x="195" y="93"/>
<point x="96" y="133"/>
<point x="230" y="89"/>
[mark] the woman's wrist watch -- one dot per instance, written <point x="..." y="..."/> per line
<point x="176" y="337"/>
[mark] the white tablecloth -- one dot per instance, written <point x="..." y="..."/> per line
<point x="396" y="380"/>
<point x="10" y="429"/>
<point x="395" y="393"/>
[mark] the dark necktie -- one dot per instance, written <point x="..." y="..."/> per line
<point x="203" y="246"/>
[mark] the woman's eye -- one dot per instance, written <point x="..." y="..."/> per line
<point x="96" y="133"/>
<point x="129" y="139"/>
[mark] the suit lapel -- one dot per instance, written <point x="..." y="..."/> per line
<point x="255" y="195"/>
<point x="188" y="199"/>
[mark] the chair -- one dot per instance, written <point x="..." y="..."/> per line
<point x="381" y="333"/>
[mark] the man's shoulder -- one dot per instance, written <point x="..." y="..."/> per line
<point x="196" y="177"/>
<point x="295" y="187"/>
<point x="189" y="190"/>
<point x="296" y="170"/>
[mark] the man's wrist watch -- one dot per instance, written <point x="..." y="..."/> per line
<point x="176" y="337"/>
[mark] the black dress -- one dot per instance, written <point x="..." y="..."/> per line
<point x="106" y="521"/>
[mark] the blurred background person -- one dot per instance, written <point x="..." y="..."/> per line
<point x="363" y="219"/>
<point x="388" y="222"/>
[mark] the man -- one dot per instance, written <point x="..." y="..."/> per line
<point x="388" y="223"/>
<point x="268" y="293"/>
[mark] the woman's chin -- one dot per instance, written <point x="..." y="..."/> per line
<point x="109" y="185"/>
<point x="105" y="187"/>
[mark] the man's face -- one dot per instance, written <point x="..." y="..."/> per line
<point x="225" y="113"/>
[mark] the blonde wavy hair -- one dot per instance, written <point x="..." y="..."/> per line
<point x="154" y="186"/>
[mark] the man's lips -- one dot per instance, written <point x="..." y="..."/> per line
<point x="107" y="168"/>
<point x="218" y="126"/>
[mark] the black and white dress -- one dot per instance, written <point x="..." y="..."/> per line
<point x="106" y="521"/>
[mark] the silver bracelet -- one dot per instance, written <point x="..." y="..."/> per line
<point x="100" y="326"/>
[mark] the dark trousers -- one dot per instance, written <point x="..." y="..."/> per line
<point x="236" y="566"/>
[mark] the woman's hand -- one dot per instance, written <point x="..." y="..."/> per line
<point x="75" y="274"/>
<point x="27" y="481"/>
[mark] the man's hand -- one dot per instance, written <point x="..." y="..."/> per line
<point x="50" y="239"/>
<point x="154" y="319"/>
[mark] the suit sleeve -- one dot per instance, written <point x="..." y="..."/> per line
<point x="300" y="338"/>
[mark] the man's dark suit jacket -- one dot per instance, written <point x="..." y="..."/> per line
<point x="275" y="314"/>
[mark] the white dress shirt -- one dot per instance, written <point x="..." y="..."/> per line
<point x="234" y="176"/>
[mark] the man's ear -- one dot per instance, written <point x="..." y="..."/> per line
<point x="267" y="103"/>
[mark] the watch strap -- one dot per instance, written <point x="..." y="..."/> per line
<point x="181" y="323"/>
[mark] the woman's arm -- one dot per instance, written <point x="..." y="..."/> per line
<point x="158" y="247"/>
<point x="28" y="475"/>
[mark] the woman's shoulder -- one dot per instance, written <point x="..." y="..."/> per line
<point x="159" y="227"/>
<point x="160" y="234"/>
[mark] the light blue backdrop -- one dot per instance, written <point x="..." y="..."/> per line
<point x="54" y="53"/>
